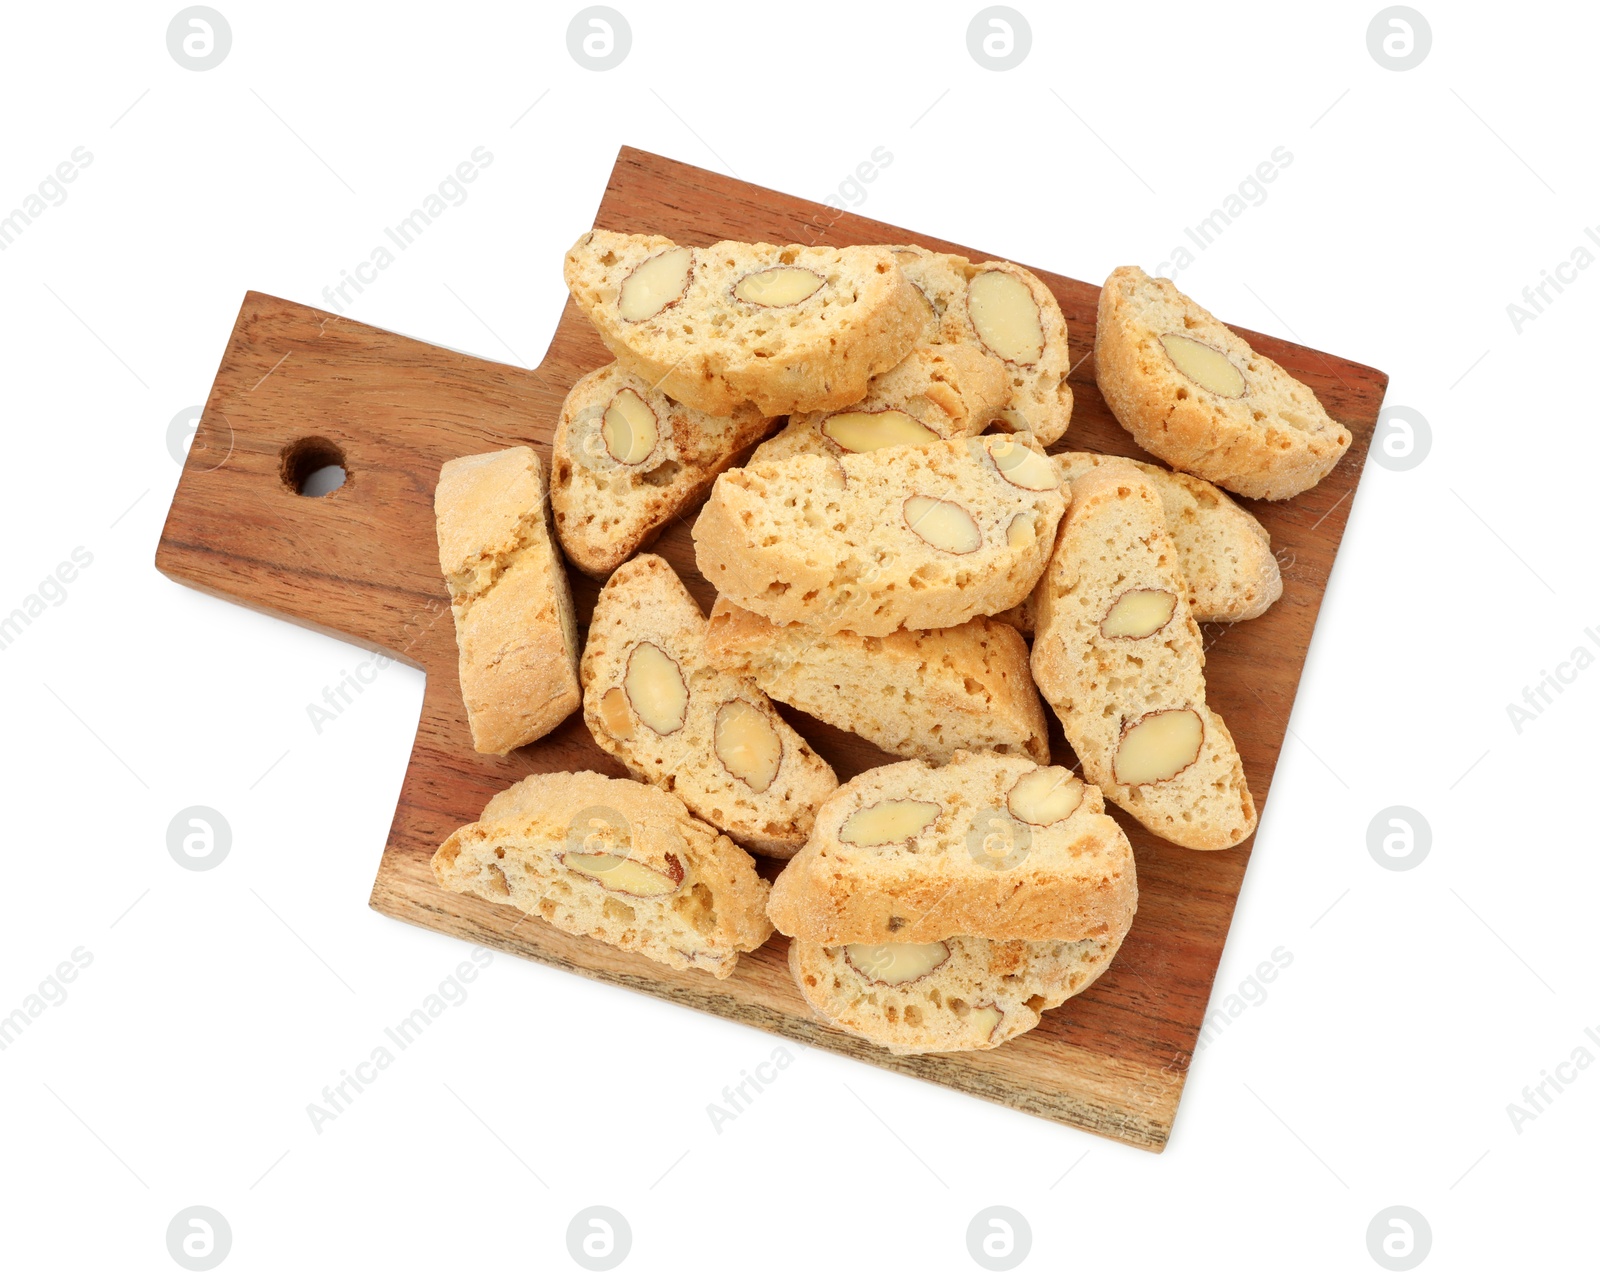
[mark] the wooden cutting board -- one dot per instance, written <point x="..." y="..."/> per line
<point x="298" y="387"/>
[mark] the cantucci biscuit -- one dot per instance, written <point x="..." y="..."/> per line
<point x="960" y="994"/>
<point x="1007" y="311"/>
<point x="515" y="628"/>
<point x="652" y="699"/>
<point x="615" y="860"/>
<point x="1119" y="657"/>
<point x="1192" y="392"/>
<point x="921" y="536"/>
<point x="627" y="460"/>
<point x="916" y="694"/>
<point x="787" y="328"/>
<point x="936" y="392"/>
<point x="1223" y="551"/>
<point x="988" y="845"/>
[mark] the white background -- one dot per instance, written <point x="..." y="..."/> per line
<point x="218" y="1005"/>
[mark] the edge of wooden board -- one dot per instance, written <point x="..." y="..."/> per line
<point x="1136" y="1106"/>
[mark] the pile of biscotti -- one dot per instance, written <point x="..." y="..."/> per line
<point x="880" y="556"/>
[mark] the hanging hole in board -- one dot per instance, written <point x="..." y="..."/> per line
<point x="313" y="467"/>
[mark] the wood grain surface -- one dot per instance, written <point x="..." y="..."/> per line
<point x="362" y="564"/>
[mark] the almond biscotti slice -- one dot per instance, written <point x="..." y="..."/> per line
<point x="1008" y="312"/>
<point x="1119" y="658"/>
<point x="988" y="845"/>
<point x="515" y="628"/>
<point x="962" y="994"/>
<point x="652" y="699"/>
<point x="923" y="536"/>
<point x="627" y="460"/>
<point x="615" y="860"/>
<point x="936" y="392"/>
<point x="787" y="328"/>
<point x="1191" y="391"/>
<point x="1223" y="551"/>
<point x="916" y="694"/>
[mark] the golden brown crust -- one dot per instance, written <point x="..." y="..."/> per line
<point x="1114" y="540"/>
<point x="515" y="626"/>
<point x="512" y="855"/>
<point x="644" y="602"/>
<point x="1223" y="551"/>
<point x="1040" y="401"/>
<point x="954" y="389"/>
<point x="828" y="542"/>
<point x="975" y="871"/>
<point x="606" y="510"/>
<point x="1274" y="441"/>
<point x="983" y="995"/>
<point x="715" y="352"/>
<point x="971" y="683"/>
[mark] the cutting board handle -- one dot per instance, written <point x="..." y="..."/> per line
<point x="300" y="389"/>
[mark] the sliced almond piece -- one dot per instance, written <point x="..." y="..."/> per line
<point x="942" y="524"/>
<point x="747" y="744"/>
<point x="986" y="1017"/>
<point x="629" y="428"/>
<point x="1005" y="316"/>
<point x="1205" y="366"/>
<point x="1021" y="531"/>
<point x="867" y="432"/>
<point x="1158" y="746"/>
<point x="896" y="962"/>
<point x="1020" y="465"/>
<point x="622" y="874"/>
<point x="497" y="882"/>
<point x="1138" y="614"/>
<point x="779" y="286"/>
<point x="656" y="689"/>
<point x="614" y="714"/>
<point x="655" y="284"/>
<point x="1045" y="796"/>
<point x="888" y="821"/>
